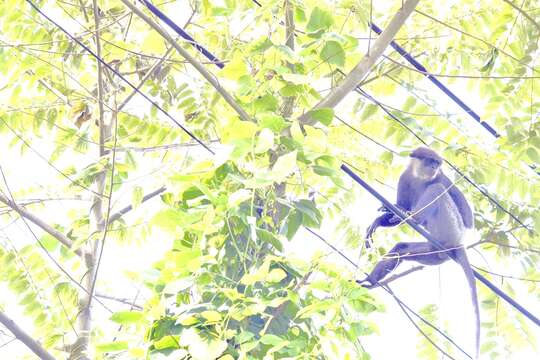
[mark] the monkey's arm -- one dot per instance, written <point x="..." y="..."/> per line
<point x="404" y="192"/>
<point x="388" y="219"/>
<point x="461" y="202"/>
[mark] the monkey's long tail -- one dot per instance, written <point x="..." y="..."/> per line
<point x="461" y="257"/>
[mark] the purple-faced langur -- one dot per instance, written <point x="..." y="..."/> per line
<point x="435" y="203"/>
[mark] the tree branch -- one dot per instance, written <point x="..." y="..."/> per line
<point x="400" y="304"/>
<point x="477" y="39"/>
<point x="518" y="9"/>
<point x="149" y="73"/>
<point x="196" y="64"/>
<point x="397" y="276"/>
<point x="26" y="339"/>
<point x="362" y="68"/>
<point x="120" y="300"/>
<point x="40" y="223"/>
<point x="288" y="102"/>
<point x="81" y="348"/>
<point x="128" y="208"/>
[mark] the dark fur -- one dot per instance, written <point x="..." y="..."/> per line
<point x="440" y="207"/>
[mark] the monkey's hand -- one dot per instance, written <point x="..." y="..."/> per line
<point x="384" y="209"/>
<point x="387" y="219"/>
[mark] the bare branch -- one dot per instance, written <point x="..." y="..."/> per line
<point x="129" y="302"/>
<point x="505" y="276"/>
<point x="397" y="276"/>
<point x="128" y="208"/>
<point x="162" y="147"/>
<point x="196" y="64"/>
<point x="26" y="339"/>
<point x="400" y="304"/>
<point x="362" y="68"/>
<point x="288" y="103"/>
<point x="100" y="86"/>
<point x="458" y="76"/>
<point x="523" y="13"/>
<point x="40" y="223"/>
<point x="81" y="346"/>
<point x="143" y="80"/>
<point x="477" y="39"/>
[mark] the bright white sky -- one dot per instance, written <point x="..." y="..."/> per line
<point x="444" y="286"/>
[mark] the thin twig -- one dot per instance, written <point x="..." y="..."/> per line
<point x="196" y="64"/>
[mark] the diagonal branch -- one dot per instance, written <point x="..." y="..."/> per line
<point x="128" y="208"/>
<point x="524" y="13"/>
<point x="149" y="73"/>
<point x="121" y="300"/>
<point x="196" y="64"/>
<point x="26" y="339"/>
<point x="40" y="223"/>
<point x="362" y="68"/>
<point x="397" y="276"/>
<point x="472" y="36"/>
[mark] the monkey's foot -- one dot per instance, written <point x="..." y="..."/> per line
<point x="368" y="243"/>
<point x="365" y="283"/>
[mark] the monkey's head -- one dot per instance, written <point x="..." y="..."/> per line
<point x="425" y="163"/>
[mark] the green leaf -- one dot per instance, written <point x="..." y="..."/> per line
<point x="276" y="275"/>
<point x="185" y="260"/>
<point x="136" y="196"/>
<point x="211" y="316"/>
<point x="127" y="317"/>
<point x="490" y="61"/>
<point x="324" y="115"/>
<point x="246" y="85"/>
<point x="532" y="154"/>
<point x="170" y="219"/>
<point x="112" y="346"/>
<point x="273" y="122"/>
<point x="265" y="141"/>
<point x="49" y="242"/>
<point x="166" y="342"/>
<point x="266" y="103"/>
<point x="261" y="45"/>
<point x="284" y="166"/>
<point x="238" y="197"/>
<point x="292" y="90"/>
<point x="269" y="339"/>
<point x="317" y="307"/>
<point x="235" y="68"/>
<point x="311" y="215"/>
<point x="333" y="53"/>
<point x="319" y="20"/>
<point x="202" y="348"/>
<point x="270" y="238"/>
<point x="167" y="219"/>
<point x="369" y="110"/>
<point x="323" y="170"/>
<point x="294" y="220"/>
<point x="153" y="42"/>
<point x="297" y="79"/>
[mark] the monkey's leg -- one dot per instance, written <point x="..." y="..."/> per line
<point x="422" y="252"/>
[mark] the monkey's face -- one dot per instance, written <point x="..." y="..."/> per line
<point x="425" y="168"/>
